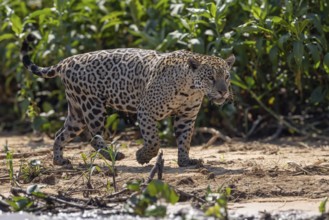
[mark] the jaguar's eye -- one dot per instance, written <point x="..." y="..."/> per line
<point x="211" y="78"/>
<point x="227" y="77"/>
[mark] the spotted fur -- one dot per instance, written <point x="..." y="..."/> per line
<point x="153" y="85"/>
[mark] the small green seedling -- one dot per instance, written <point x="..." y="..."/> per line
<point x="91" y="167"/>
<point x="322" y="206"/>
<point x="112" y="151"/>
<point x="31" y="170"/>
<point x="9" y="163"/>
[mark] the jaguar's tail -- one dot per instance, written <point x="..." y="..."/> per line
<point x="44" y="72"/>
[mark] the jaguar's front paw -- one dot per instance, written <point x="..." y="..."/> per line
<point x="190" y="162"/>
<point x="119" y="156"/>
<point x="61" y="161"/>
<point x="143" y="156"/>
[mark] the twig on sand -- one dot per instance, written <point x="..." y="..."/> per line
<point x="123" y="191"/>
<point x="51" y="198"/>
<point x="215" y="135"/>
<point x="27" y="154"/>
<point x="157" y="168"/>
<point x="276" y="133"/>
<point x="188" y="195"/>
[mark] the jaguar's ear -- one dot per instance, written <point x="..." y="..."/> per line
<point x="193" y="63"/>
<point x="230" y="60"/>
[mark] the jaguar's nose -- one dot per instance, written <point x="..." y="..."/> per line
<point x="223" y="93"/>
<point x="222" y="88"/>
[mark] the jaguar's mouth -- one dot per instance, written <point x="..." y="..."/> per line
<point x="217" y="98"/>
<point x="218" y="101"/>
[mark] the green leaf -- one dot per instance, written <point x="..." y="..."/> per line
<point x="318" y="94"/>
<point x="112" y="121"/>
<point x="98" y="168"/>
<point x="84" y="157"/>
<point x="137" y="11"/>
<point x="315" y="53"/>
<point x="302" y="25"/>
<point x="185" y="24"/>
<point x="19" y="203"/>
<point x="173" y="197"/>
<point x="326" y="63"/>
<point x="276" y="19"/>
<point x="214" y="211"/>
<point x="298" y="51"/>
<point x="213" y="9"/>
<point x="256" y="12"/>
<point x="228" y="191"/>
<point x="112" y="15"/>
<point x="17" y="26"/>
<point x="111" y="24"/>
<point x="44" y="12"/>
<point x="6" y="36"/>
<point x="39" y="194"/>
<point x="152" y="188"/>
<point x="239" y="84"/>
<point x="250" y="81"/>
<point x="282" y="40"/>
<point x="322" y="206"/>
<point x="134" y="186"/>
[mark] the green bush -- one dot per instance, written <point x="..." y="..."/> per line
<point x="280" y="77"/>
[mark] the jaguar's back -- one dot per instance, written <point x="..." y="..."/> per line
<point x="118" y="77"/>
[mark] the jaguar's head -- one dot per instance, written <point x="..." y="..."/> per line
<point x="212" y="76"/>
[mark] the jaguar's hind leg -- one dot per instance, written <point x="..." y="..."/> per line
<point x="73" y="126"/>
<point x="95" y="120"/>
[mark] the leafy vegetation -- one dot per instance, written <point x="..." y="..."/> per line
<point x="9" y="163"/>
<point x="220" y="200"/>
<point x="280" y="78"/>
<point x="89" y="161"/>
<point x="148" y="202"/>
<point x="30" y="170"/>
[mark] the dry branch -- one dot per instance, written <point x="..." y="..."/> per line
<point x="123" y="191"/>
<point x="254" y="126"/>
<point x="26" y="154"/>
<point x="51" y="198"/>
<point x="157" y="168"/>
<point x="188" y="195"/>
<point x="215" y="135"/>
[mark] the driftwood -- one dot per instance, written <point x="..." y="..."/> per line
<point x="215" y="135"/>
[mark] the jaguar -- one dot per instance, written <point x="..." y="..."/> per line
<point x="148" y="83"/>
